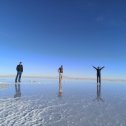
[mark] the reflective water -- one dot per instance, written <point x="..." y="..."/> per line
<point x="81" y="103"/>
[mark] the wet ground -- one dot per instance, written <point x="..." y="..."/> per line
<point x="37" y="102"/>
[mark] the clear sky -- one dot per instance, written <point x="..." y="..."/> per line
<point x="77" y="34"/>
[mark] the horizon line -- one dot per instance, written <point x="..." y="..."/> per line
<point x="65" y="77"/>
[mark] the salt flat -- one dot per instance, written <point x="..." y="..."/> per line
<point x="37" y="103"/>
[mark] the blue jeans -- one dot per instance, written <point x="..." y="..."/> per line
<point x="18" y="76"/>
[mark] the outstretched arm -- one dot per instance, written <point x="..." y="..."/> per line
<point x="102" y="67"/>
<point x="94" y="67"/>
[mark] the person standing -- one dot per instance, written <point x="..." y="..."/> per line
<point x="19" y="69"/>
<point x="60" y="70"/>
<point x="98" y="69"/>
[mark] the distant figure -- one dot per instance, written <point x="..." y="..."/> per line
<point x="98" y="98"/>
<point x="98" y="69"/>
<point x="17" y="91"/>
<point x="60" y="70"/>
<point x="19" y="69"/>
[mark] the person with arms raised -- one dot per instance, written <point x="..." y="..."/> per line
<point x="98" y="69"/>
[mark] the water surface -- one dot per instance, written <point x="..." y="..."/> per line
<point x="82" y="103"/>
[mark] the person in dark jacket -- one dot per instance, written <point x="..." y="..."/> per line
<point x="19" y="69"/>
<point x="98" y="69"/>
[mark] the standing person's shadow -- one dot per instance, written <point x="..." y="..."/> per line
<point x="17" y="90"/>
<point x="98" y="93"/>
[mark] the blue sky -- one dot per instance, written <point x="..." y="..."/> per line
<point x="77" y="34"/>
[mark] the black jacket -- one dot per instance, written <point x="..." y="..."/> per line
<point x="60" y="70"/>
<point x="19" y="68"/>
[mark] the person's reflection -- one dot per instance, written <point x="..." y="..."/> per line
<point x="60" y="94"/>
<point x="17" y="90"/>
<point x="98" y="92"/>
<point x="60" y="85"/>
<point x="60" y="71"/>
<point x="60" y="88"/>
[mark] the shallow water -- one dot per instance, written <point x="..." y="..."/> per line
<point x="82" y="103"/>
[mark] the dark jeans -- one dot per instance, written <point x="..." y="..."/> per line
<point x="98" y="79"/>
<point x="18" y="76"/>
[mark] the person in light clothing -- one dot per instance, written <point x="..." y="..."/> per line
<point x="60" y="70"/>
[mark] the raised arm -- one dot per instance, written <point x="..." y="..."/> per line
<point x="102" y="67"/>
<point x="94" y="67"/>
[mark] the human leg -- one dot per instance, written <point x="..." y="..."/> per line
<point x="100" y="79"/>
<point x="16" y="77"/>
<point x="19" y="79"/>
<point x="97" y="79"/>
